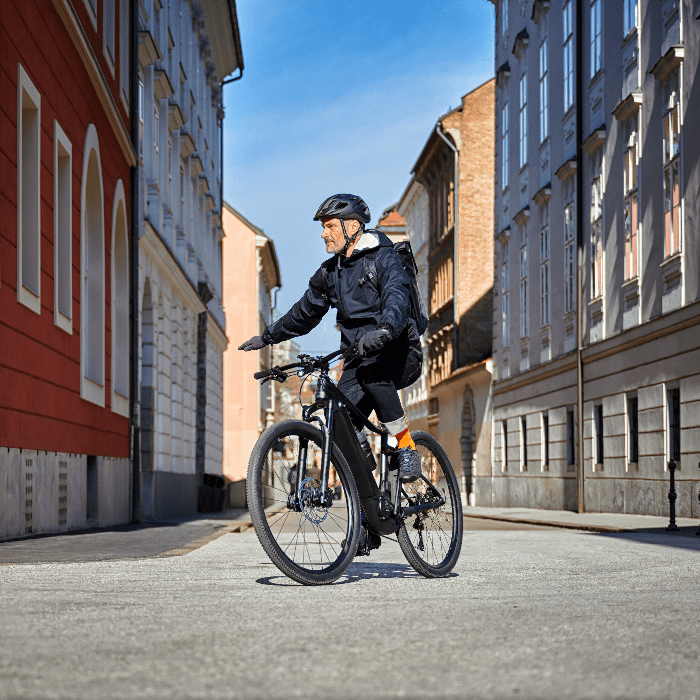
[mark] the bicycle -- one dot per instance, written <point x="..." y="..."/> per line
<point x="296" y="469"/>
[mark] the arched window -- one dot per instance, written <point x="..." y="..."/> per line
<point x="92" y="277"/>
<point x="120" y="304"/>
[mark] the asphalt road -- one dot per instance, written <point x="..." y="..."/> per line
<point x="529" y="612"/>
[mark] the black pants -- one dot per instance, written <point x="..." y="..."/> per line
<point x="372" y="383"/>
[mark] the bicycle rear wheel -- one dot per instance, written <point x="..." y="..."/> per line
<point x="311" y="544"/>
<point x="431" y="540"/>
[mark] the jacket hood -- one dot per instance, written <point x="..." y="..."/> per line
<point x="370" y="240"/>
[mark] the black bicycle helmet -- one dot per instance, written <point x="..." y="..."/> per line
<point x="344" y="206"/>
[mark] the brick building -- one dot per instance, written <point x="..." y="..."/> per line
<point x="450" y="228"/>
<point x="64" y="265"/>
<point x="597" y="305"/>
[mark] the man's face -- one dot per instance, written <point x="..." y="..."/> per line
<point x="333" y="233"/>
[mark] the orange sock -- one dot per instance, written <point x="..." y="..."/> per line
<point x="405" y="440"/>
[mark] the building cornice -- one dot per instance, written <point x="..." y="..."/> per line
<point x="463" y="372"/>
<point x="551" y="369"/>
<point x="522" y="216"/>
<point x="668" y="62"/>
<point x="595" y="140"/>
<point x="72" y="24"/>
<point x="543" y="195"/>
<point x="567" y="171"/>
<point x="630" y="104"/>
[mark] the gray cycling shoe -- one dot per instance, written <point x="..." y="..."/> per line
<point x="409" y="465"/>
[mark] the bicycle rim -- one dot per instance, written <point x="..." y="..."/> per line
<point x="432" y="540"/>
<point x="312" y="545"/>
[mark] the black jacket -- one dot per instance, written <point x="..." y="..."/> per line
<point x="361" y="306"/>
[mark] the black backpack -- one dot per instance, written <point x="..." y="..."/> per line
<point x="403" y="248"/>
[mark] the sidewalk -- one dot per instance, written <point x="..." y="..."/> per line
<point x="181" y="536"/>
<point x="149" y="539"/>
<point x="593" y="522"/>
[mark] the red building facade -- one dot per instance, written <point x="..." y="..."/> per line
<point x="65" y="157"/>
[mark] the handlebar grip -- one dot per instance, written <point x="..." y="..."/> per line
<point x="263" y="374"/>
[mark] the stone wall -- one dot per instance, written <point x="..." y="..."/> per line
<point x="49" y="492"/>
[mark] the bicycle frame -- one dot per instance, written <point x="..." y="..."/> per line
<point x="384" y="513"/>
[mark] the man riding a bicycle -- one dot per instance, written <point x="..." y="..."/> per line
<point x="375" y="314"/>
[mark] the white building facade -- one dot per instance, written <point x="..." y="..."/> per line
<point x="597" y="255"/>
<point x="186" y="50"/>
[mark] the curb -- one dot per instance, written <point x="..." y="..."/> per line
<point x="550" y="523"/>
<point x="196" y="544"/>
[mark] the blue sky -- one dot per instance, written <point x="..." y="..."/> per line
<point x="339" y="97"/>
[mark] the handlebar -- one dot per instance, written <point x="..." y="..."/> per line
<point x="306" y="362"/>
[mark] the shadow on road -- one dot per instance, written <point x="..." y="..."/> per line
<point x="356" y="573"/>
<point x="685" y="538"/>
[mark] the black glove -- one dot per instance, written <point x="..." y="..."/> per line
<point x="255" y="343"/>
<point x="373" y="341"/>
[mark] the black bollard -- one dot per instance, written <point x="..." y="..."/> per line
<point x="672" y="527"/>
<point x="698" y="532"/>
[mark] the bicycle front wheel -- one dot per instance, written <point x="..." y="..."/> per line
<point x="311" y="544"/>
<point x="431" y="540"/>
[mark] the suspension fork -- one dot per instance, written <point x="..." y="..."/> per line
<point x="301" y="466"/>
<point x="326" y="454"/>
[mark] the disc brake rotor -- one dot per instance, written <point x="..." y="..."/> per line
<point x="312" y="513"/>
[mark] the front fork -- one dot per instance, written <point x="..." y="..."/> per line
<point x="322" y="496"/>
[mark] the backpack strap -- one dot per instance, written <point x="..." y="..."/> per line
<point x="370" y="270"/>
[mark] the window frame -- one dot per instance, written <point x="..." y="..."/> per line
<point x="92" y="389"/>
<point x="596" y="226"/>
<point x="109" y="34"/>
<point x="124" y="47"/>
<point x="522" y="117"/>
<point x="629" y="18"/>
<point x="544" y="90"/>
<point x="119" y="300"/>
<point x="523" y="443"/>
<point x="544" y="266"/>
<point x="523" y="292"/>
<point x="28" y="193"/>
<point x="673" y="219"/>
<point x="568" y="54"/>
<point x="630" y="205"/>
<point x="62" y="228"/>
<point x="569" y="257"/>
<point x="596" y="38"/>
<point x="505" y="282"/>
<point x="504" y="146"/>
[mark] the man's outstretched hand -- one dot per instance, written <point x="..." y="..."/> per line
<point x="255" y="343"/>
<point x="373" y="341"/>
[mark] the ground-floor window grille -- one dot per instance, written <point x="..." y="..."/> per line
<point x="570" y="439"/>
<point x="598" y="426"/>
<point x="545" y="442"/>
<point x="632" y="430"/>
<point x="674" y="424"/>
